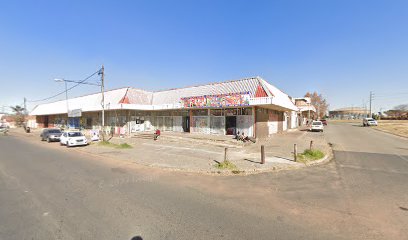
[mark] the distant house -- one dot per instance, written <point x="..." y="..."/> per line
<point x="251" y="106"/>
<point x="306" y="111"/>
<point x="8" y="121"/>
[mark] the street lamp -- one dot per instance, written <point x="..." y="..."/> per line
<point x="102" y="85"/>
<point x="66" y="91"/>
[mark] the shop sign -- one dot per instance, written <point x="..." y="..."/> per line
<point x="75" y="113"/>
<point x="222" y="100"/>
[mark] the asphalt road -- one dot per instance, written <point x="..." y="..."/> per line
<point x="50" y="192"/>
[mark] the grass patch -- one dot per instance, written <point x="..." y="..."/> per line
<point x="124" y="146"/>
<point x="226" y="165"/>
<point x="310" y="155"/>
<point x="114" y="145"/>
<point x="105" y="143"/>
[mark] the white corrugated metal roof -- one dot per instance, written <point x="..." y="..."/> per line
<point x="90" y="102"/>
<point x="148" y="100"/>
<point x="173" y="96"/>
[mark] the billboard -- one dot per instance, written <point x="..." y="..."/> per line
<point x="221" y="100"/>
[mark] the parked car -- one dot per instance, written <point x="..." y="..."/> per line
<point x="317" y="126"/>
<point x="3" y="129"/>
<point x="369" y="122"/>
<point x="50" y="134"/>
<point x="324" y="121"/>
<point x="70" y="139"/>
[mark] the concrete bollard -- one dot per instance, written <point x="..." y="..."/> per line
<point x="225" y="154"/>
<point x="295" y="152"/>
<point x="262" y="154"/>
<point x="311" y="145"/>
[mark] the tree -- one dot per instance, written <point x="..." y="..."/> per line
<point x="319" y="102"/>
<point x="402" y="108"/>
<point x="398" y="111"/>
<point x="19" y="113"/>
<point x="18" y="110"/>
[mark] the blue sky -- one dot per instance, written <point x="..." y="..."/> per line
<point x="342" y="49"/>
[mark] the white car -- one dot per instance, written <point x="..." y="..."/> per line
<point x="317" y="126"/>
<point x="70" y="139"/>
<point x="369" y="122"/>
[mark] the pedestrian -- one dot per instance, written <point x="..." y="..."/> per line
<point x="156" y="134"/>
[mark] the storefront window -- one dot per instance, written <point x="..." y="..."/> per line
<point x="216" y="112"/>
<point x="200" y="112"/>
<point x="231" y="112"/>
<point x="246" y="111"/>
<point x="180" y="113"/>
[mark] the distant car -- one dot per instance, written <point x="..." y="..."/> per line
<point x="4" y="129"/>
<point x="50" y="134"/>
<point x="70" y="139"/>
<point x="324" y="121"/>
<point x="369" y="122"/>
<point x="317" y="126"/>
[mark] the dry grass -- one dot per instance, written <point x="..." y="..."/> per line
<point x="397" y="127"/>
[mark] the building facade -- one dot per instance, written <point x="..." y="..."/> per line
<point x="349" y="113"/>
<point x="250" y="106"/>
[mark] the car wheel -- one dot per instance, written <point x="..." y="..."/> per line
<point x="61" y="144"/>
<point x="48" y="140"/>
<point x="67" y="144"/>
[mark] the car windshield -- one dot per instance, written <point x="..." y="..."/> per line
<point x="75" y="134"/>
<point x="317" y="123"/>
<point x="54" y="131"/>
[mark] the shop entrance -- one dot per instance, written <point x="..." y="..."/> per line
<point x="45" y="121"/>
<point x="231" y="125"/>
<point x="186" y="124"/>
<point x="73" y="122"/>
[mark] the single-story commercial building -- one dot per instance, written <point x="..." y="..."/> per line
<point x="349" y="113"/>
<point x="251" y="106"/>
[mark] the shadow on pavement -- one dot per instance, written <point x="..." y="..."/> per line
<point x="357" y="125"/>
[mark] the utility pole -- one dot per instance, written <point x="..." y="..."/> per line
<point x="371" y="100"/>
<point x="103" y="100"/>
<point x="25" y="106"/>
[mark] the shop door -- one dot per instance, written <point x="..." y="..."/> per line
<point x="45" y="121"/>
<point x="186" y="124"/>
<point x="231" y="125"/>
<point x="73" y="122"/>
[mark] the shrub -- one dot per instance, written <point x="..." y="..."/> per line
<point x="310" y="155"/>
<point x="226" y="165"/>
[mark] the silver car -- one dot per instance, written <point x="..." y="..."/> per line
<point x="50" y="134"/>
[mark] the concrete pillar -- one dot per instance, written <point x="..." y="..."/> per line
<point x="254" y="116"/>
<point x="190" y="114"/>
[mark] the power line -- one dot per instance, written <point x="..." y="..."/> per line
<point x="58" y="94"/>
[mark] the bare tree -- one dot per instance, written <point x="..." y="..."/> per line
<point x="402" y="108"/>
<point x="319" y="102"/>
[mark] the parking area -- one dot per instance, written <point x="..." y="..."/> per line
<point x="201" y="152"/>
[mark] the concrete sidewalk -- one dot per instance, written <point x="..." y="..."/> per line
<point x="199" y="152"/>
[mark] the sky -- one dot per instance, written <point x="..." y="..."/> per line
<point x="341" y="49"/>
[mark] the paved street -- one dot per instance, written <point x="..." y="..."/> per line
<point x="50" y="192"/>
